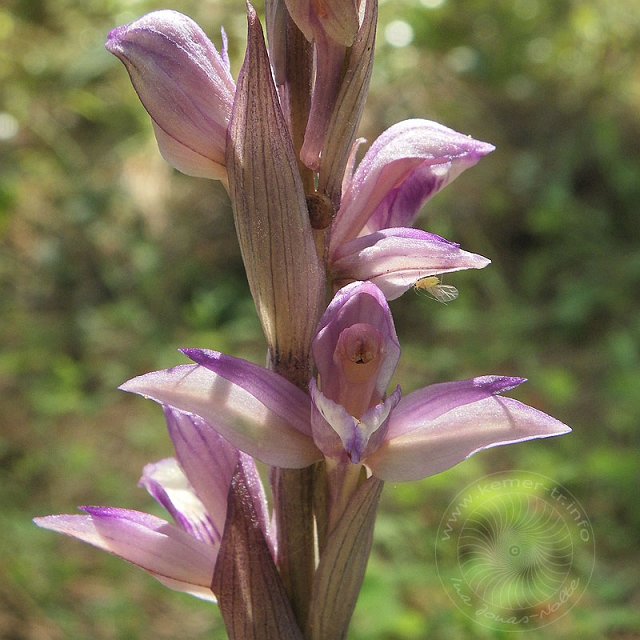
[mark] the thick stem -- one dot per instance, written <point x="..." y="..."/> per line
<point x="293" y="492"/>
<point x="343" y="480"/>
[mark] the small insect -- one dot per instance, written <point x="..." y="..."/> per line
<point x="432" y="287"/>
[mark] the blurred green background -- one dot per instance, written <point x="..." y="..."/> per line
<point x="110" y="261"/>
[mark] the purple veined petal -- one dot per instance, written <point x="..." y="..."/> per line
<point x="395" y="259"/>
<point x="165" y="551"/>
<point x="259" y="414"/>
<point x="184" y="84"/>
<point x="408" y="164"/>
<point x="271" y="389"/>
<point x="425" y="405"/>
<point x="358" y="437"/>
<point x="458" y="434"/>
<point x="166" y="482"/>
<point x="209" y="463"/>
<point x="334" y="429"/>
<point x="207" y="459"/>
<point x="358" y="302"/>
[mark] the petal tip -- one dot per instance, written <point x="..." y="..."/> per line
<point x="484" y="148"/>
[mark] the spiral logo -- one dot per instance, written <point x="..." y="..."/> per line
<point x="515" y="551"/>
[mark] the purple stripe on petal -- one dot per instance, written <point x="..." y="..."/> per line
<point x="151" y="543"/>
<point x="424" y="405"/>
<point x="207" y="460"/>
<point x="405" y="166"/>
<point x="271" y="389"/>
<point x="269" y="432"/>
<point x="166" y="482"/>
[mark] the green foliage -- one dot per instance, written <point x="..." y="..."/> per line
<point x="109" y="261"/>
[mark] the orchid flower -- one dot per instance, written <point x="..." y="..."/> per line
<point x="184" y="84"/>
<point x="193" y="488"/>
<point x="347" y="417"/>
<point x="405" y="167"/>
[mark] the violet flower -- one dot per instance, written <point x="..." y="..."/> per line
<point x="193" y="488"/>
<point x="184" y="84"/>
<point x="347" y="416"/>
<point x="405" y="167"/>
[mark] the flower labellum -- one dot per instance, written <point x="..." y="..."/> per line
<point x="356" y="352"/>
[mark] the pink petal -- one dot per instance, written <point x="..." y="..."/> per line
<point x="424" y="405"/>
<point x="456" y="435"/>
<point x="395" y="259"/>
<point x="259" y="414"/>
<point x="207" y="459"/>
<point x="337" y="18"/>
<point x="330" y="58"/>
<point x="408" y="164"/>
<point x="166" y="482"/>
<point x="185" y="85"/>
<point x="166" y="552"/>
<point x="333" y="427"/>
<point x="187" y="160"/>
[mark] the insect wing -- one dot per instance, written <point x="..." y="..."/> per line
<point x="444" y="293"/>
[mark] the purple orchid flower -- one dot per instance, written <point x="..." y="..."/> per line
<point x="184" y="84"/>
<point x="405" y="167"/>
<point x="347" y="416"/>
<point x="193" y="488"/>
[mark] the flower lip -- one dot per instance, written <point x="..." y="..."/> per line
<point x="361" y="310"/>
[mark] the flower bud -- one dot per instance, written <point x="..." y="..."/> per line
<point x="184" y="84"/>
